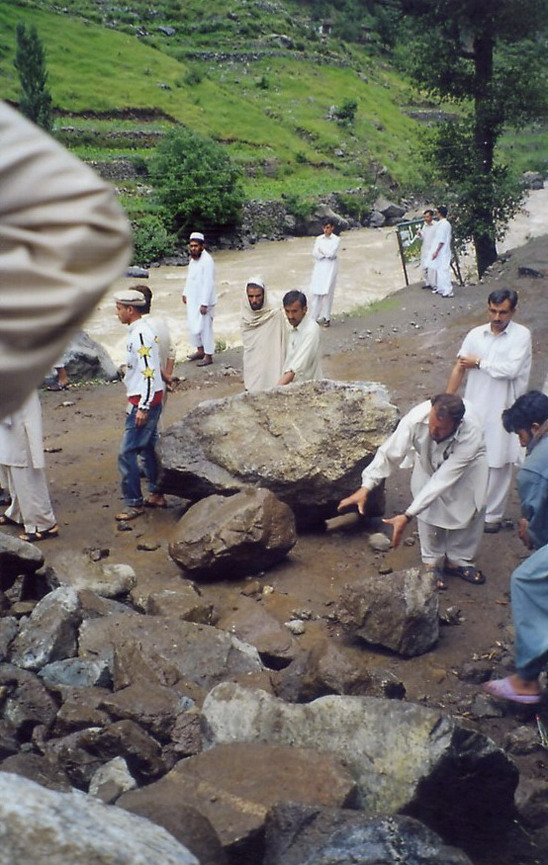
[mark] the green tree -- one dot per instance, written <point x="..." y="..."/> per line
<point x="30" y="62"/>
<point x="488" y="57"/>
<point x="195" y="182"/>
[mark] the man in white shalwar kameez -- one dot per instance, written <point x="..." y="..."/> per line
<point x="444" y="439"/>
<point x="22" y="455"/>
<point x="440" y="260"/>
<point x="303" y="356"/>
<point x="496" y="359"/>
<point x="200" y="297"/>
<point x="324" y="274"/>
<point x="264" y="336"/>
<point x="427" y="235"/>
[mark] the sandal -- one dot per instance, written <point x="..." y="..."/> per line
<point x="197" y="355"/>
<point x="7" y="521"/>
<point x="130" y="514"/>
<point x="437" y="577"/>
<point x="155" y="502"/>
<point x="42" y="535"/>
<point x="469" y="573"/>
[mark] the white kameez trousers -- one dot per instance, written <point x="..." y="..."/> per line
<point x="322" y="304"/>
<point x="498" y="490"/>
<point x="30" y="501"/>
<point x="458" y="545"/>
<point x="205" y="336"/>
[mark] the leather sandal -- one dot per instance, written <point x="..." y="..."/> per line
<point x="129" y="514"/>
<point x="42" y="535"/>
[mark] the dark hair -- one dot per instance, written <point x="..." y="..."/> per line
<point x="294" y="296"/>
<point x="442" y="209"/>
<point x="530" y="408"/>
<point x="499" y="295"/>
<point x="147" y="294"/>
<point x="328" y="221"/>
<point x="428" y="210"/>
<point x="449" y="405"/>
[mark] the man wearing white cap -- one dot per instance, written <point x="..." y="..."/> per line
<point x="143" y="381"/>
<point x="200" y="298"/>
<point x="264" y="337"/>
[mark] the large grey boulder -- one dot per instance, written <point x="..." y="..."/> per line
<point x="106" y="579"/>
<point x="404" y="757"/>
<point x="86" y="359"/>
<point x="391" y="211"/>
<point x="167" y="651"/>
<point x="307" y="443"/>
<point x="398" y="611"/>
<point x="235" y="785"/>
<point x="39" y="825"/>
<point x="26" y="703"/>
<point x="304" y="835"/>
<point x="234" y="536"/>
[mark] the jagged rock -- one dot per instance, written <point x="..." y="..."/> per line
<point x="8" y="631"/>
<point x="530" y="272"/>
<point x="151" y="705"/>
<point x="235" y="785"/>
<point x="403" y="756"/>
<point x="40" y="825"/>
<point x="135" y="272"/>
<point x="376" y="219"/>
<point x="273" y="440"/>
<point x="399" y="612"/>
<point x="186" y="603"/>
<point x="80" y="710"/>
<point x="253" y="624"/>
<point x="8" y="740"/>
<point x="26" y="702"/>
<point x="35" y="767"/>
<point x="233" y="536"/>
<point x="474" y="672"/>
<point x="167" y="651"/>
<point x="532" y="801"/>
<point x="82" y="753"/>
<point x="111" y="780"/>
<point x="185" y="823"/>
<point x="322" y="670"/>
<point x="50" y="632"/>
<point x="522" y="740"/>
<point x="389" y="209"/>
<point x="532" y="180"/>
<point x="76" y="673"/>
<point x="17" y="557"/>
<point x="186" y="734"/>
<point x="86" y="359"/>
<point x="106" y="580"/>
<point x="301" y="835"/>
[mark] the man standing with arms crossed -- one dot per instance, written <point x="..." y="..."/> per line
<point x="200" y="298"/>
<point x="496" y="360"/>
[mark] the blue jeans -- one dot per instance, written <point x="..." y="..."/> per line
<point x="529" y="590"/>
<point x="139" y="441"/>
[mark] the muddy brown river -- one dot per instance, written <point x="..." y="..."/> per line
<point x="369" y="269"/>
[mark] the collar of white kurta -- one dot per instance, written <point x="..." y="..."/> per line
<point x="486" y="329"/>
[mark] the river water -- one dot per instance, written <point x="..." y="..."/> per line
<point x="369" y="270"/>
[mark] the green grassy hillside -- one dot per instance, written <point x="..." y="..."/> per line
<point x="268" y="104"/>
<point x="256" y="75"/>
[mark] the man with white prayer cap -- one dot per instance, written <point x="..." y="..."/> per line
<point x="200" y="298"/>
<point x="264" y="337"/>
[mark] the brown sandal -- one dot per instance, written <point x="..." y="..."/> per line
<point x="42" y="535"/>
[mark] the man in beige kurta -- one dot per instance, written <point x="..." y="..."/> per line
<point x="63" y="240"/>
<point x="444" y="440"/>
<point x="264" y="336"/>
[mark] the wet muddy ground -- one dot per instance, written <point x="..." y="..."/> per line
<point x="409" y="345"/>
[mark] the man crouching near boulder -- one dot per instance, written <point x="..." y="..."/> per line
<point x="443" y="440"/>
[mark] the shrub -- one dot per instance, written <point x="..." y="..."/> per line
<point x="195" y="182"/>
<point x="151" y="240"/>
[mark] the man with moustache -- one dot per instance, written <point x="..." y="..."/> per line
<point x="495" y="358"/>
<point x="200" y="298"/>
<point x="444" y="439"/>
<point x="303" y="357"/>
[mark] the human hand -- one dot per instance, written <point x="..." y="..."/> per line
<point x="203" y="309"/>
<point x="358" y="498"/>
<point x="398" y="523"/>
